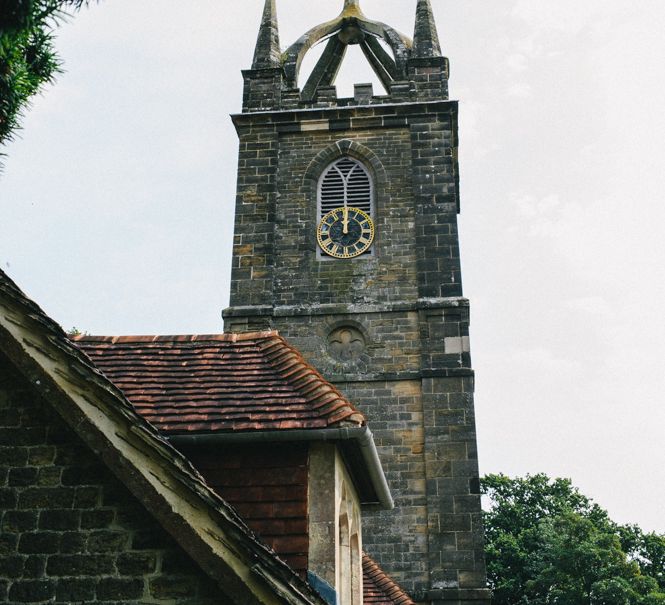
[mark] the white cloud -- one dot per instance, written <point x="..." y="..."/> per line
<point x="521" y="90"/>
<point x="543" y="362"/>
<point x="517" y="62"/>
<point x="564" y="15"/>
<point x="596" y="306"/>
<point x="529" y="206"/>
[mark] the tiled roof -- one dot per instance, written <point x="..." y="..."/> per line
<point x="156" y="473"/>
<point x="220" y="383"/>
<point x="378" y="588"/>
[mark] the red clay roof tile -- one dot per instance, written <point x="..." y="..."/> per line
<point x="378" y="588"/>
<point x="219" y="383"/>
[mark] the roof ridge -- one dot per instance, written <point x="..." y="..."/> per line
<point x="297" y="372"/>
<point x="161" y="375"/>
<point x="177" y="338"/>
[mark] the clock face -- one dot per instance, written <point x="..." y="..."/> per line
<point x="345" y="232"/>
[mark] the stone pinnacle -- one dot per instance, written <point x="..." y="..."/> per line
<point x="425" y="39"/>
<point x="267" y="54"/>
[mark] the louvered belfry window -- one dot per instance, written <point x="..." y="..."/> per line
<point x="345" y="183"/>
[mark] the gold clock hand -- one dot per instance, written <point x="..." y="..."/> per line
<point x="345" y="220"/>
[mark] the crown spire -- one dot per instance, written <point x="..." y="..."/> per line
<point x="352" y="8"/>
<point x="267" y="54"/>
<point x="425" y="39"/>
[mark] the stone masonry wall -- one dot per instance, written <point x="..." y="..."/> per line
<point x="403" y="309"/>
<point x="301" y="277"/>
<point x="410" y="151"/>
<point x="397" y="538"/>
<point x="424" y="428"/>
<point x="70" y="532"/>
<point x="455" y="530"/>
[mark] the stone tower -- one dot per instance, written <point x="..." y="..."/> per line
<point x="346" y="242"/>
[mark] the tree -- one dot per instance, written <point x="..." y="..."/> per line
<point x="28" y="59"/>
<point x="549" y="544"/>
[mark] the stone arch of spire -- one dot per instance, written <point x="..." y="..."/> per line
<point x="351" y="26"/>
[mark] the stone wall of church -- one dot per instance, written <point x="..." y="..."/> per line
<point x="410" y="152"/>
<point x="455" y="527"/>
<point x="391" y="330"/>
<point x="70" y="531"/>
<point x="418" y="400"/>
<point x="301" y="276"/>
<point x="397" y="538"/>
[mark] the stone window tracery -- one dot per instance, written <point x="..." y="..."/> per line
<point x="346" y="182"/>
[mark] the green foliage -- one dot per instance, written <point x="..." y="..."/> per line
<point x="27" y="56"/>
<point x="549" y="544"/>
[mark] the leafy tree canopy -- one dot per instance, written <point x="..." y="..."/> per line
<point x="27" y="56"/>
<point x="549" y="544"/>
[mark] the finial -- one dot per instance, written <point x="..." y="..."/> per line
<point x="267" y="53"/>
<point x="425" y="38"/>
<point x="351" y="8"/>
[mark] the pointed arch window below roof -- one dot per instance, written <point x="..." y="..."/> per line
<point x="346" y="183"/>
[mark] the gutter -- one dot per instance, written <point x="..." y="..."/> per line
<point x="362" y="437"/>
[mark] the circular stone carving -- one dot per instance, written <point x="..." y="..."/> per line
<point x="346" y="343"/>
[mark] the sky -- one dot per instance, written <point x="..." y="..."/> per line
<point x="117" y="200"/>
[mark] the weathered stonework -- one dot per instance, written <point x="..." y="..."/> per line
<point x="70" y="532"/>
<point x="281" y="157"/>
<point x="406" y="300"/>
<point x="412" y="375"/>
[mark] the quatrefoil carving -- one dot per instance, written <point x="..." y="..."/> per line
<point x="346" y="343"/>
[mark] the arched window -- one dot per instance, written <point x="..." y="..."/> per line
<point x="346" y="183"/>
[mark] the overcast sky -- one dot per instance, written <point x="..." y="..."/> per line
<point x="117" y="204"/>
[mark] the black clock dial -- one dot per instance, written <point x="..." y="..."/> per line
<point x="345" y="232"/>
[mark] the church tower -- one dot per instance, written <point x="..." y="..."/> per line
<point x="346" y="242"/>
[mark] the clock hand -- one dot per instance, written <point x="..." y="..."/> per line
<point x="345" y="220"/>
